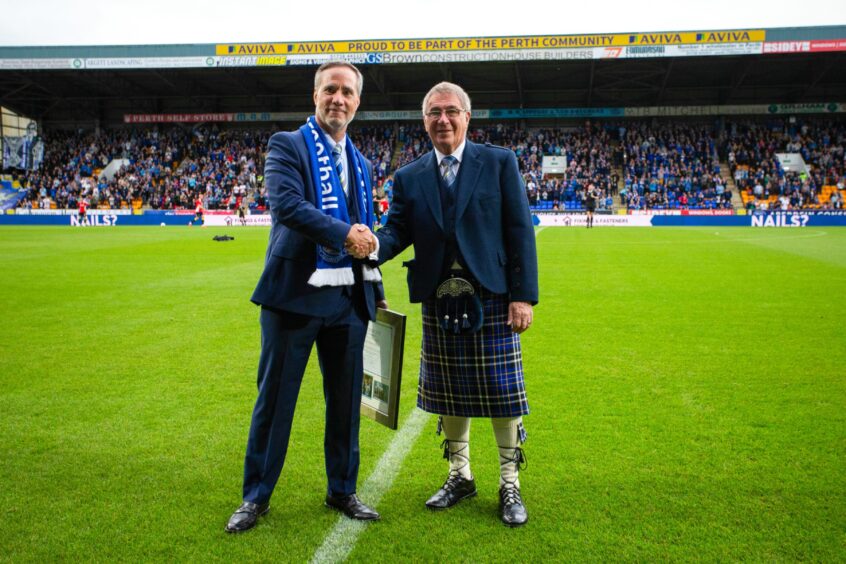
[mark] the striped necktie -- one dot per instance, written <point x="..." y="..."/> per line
<point x="339" y="166"/>
<point x="446" y="170"/>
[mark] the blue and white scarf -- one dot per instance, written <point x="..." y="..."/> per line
<point x="334" y="268"/>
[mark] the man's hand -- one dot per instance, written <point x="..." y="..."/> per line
<point x="519" y="316"/>
<point x="382" y="304"/>
<point x="360" y="241"/>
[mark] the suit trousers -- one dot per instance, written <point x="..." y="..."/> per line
<point x="286" y="343"/>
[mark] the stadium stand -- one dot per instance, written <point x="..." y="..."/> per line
<point x="588" y="161"/>
<point x="652" y="165"/>
<point x="671" y="166"/>
<point x="414" y="143"/>
<point x="751" y="149"/>
<point x="160" y="170"/>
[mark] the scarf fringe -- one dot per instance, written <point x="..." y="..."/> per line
<point x="332" y="277"/>
<point x="371" y="274"/>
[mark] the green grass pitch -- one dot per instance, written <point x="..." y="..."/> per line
<point x="687" y="388"/>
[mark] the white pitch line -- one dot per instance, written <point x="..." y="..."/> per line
<point x="341" y="540"/>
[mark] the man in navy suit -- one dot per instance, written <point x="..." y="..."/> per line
<point x="305" y="297"/>
<point x="463" y="207"/>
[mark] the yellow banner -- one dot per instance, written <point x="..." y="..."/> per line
<point x="492" y="43"/>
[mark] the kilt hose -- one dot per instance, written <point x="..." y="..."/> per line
<point x="476" y="375"/>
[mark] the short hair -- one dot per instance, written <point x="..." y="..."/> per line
<point x="448" y="88"/>
<point x="332" y="64"/>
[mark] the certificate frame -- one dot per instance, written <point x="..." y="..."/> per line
<point x="383" y="353"/>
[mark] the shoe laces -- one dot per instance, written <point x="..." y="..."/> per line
<point x="510" y="494"/>
<point x="518" y="457"/>
<point x="452" y="481"/>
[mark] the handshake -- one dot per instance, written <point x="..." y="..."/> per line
<point x="360" y="242"/>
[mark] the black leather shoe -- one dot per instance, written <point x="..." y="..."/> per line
<point x="352" y="507"/>
<point x="246" y="517"/>
<point x="511" y="508"/>
<point x="454" y="490"/>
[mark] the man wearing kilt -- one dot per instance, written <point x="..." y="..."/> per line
<point x="464" y="208"/>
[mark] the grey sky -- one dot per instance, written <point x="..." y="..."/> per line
<point x="115" y="22"/>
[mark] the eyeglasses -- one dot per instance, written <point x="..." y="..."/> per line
<point x="451" y="113"/>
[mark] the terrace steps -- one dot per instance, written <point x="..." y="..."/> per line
<point x="728" y="182"/>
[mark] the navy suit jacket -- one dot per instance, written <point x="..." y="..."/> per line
<point x="297" y="228"/>
<point x="493" y="225"/>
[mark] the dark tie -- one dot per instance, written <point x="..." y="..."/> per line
<point x="339" y="166"/>
<point x="446" y="170"/>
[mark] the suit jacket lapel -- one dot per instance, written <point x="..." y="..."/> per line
<point x="468" y="177"/>
<point x="430" y="185"/>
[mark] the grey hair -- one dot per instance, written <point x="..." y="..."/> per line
<point x="448" y="88"/>
<point x="332" y="64"/>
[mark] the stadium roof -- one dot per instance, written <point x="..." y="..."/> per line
<point x="81" y="86"/>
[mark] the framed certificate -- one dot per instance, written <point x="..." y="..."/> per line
<point x="383" y="347"/>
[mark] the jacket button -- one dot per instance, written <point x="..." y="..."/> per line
<point x="516" y="269"/>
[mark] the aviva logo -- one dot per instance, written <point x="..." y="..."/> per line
<point x="655" y="39"/>
<point x="692" y="38"/>
<point x="271" y="49"/>
<point x="251" y="49"/>
<point x="724" y="37"/>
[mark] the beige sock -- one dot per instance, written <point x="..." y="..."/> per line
<point x="508" y="439"/>
<point x="457" y="433"/>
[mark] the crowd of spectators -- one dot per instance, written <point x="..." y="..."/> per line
<point x="671" y="166"/>
<point x="159" y="169"/>
<point x="648" y="165"/>
<point x="588" y="162"/>
<point x="415" y="142"/>
<point x="751" y="147"/>
<point x="585" y="148"/>
<point x="376" y="143"/>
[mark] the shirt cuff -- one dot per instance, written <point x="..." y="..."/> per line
<point x="375" y="254"/>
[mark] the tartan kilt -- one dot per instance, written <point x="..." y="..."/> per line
<point x="476" y="375"/>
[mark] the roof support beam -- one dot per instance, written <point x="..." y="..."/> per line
<point x="519" y="82"/>
<point x="663" y="88"/>
<point x="821" y="72"/>
<point x="738" y="76"/>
